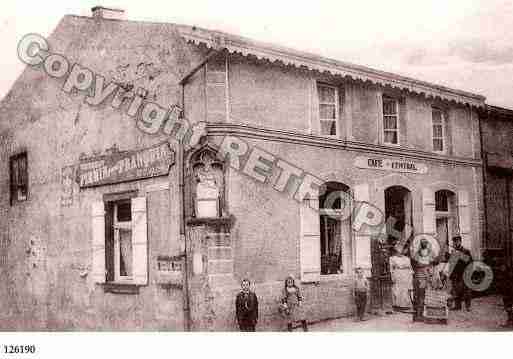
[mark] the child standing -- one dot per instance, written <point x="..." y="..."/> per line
<point x="361" y="287"/>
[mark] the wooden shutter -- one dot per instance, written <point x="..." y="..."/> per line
<point x="463" y="212"/>
<point x="139" y="241"/>
<point x="98" y="247"/>
<point x="362" y="238"/>
<point x="310" y="242"/>
<point x="428" y="211"/>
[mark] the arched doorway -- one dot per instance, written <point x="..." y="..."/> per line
<point x="398" y="208"/>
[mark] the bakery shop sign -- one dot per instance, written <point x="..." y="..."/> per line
<point x="126" y="166"/>
<point x="387" y="164"/>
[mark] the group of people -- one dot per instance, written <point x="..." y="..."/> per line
<point x="246" y="306"/>
<point x="423" y="269"/>
<point x="426" y="269"/>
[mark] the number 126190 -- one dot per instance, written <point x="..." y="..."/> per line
<point x="19" y="349"/>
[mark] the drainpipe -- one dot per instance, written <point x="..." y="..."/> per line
<point x="181" y="184"/>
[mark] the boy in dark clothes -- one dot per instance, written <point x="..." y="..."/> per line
<point x="246" y="308"/>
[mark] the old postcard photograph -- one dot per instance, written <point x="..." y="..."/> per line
<point x="270" y="166"/>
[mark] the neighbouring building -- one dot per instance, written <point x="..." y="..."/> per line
<point x="105" y="226"/>
<point x="497" y="142"/>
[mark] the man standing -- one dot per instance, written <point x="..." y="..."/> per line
<point x="246" y="308"/>
<point x="459" y="259"/>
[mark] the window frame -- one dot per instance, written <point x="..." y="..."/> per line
<point x="337" y="110"/>
<point x="385" y="97"/>
<point x="116" y="227"/>
<point x="113" y="199"/>
<point x="13" y="188"/>
<point x="347" y="244"/>
<point x="443" y="126"/>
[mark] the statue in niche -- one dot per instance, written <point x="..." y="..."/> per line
<point x="208" y="176"/>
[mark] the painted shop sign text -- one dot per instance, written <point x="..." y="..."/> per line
<point x="126" y="166"/>
<point x="390" y="165"/>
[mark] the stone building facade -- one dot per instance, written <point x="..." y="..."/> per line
<point x="105" y="226"/>
<point x="496" y="129"/>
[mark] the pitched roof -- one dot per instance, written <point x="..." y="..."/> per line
<point x="287" y="56"/>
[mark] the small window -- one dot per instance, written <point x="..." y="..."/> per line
<point x="18" y="178"/>
<point x="438" y="120"/>
<point x="390" y="121"/>
<point x="328" y="109"/>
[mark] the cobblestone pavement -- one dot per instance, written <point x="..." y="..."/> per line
<point x="487" y="315"/>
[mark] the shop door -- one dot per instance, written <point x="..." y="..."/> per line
<point x="398" y="212"/>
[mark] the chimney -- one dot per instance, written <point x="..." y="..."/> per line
<point x="100" y="12"/>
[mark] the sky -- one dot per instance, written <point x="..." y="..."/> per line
<point x="467" y="45"/>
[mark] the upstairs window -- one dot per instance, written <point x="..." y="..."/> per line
<point x="18" y="178"/>
<point x="390" y="121"/>
<point x="438" y="120"/>
<point x="328" y="109"/>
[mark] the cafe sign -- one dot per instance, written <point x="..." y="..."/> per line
<point x="387" y="164"/>
<point x="126" y="166"/>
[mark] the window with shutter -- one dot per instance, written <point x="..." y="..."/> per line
<point x="328" y="109"/>
<point x="119" y="228"/>
<point x="390" y="121"/>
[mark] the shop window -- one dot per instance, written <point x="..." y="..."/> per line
<point x="119" y="229"/>
<point x="18" y="171"/>
<point x="446" y="218"/>
<point x="390" y="121"/>
<point x="334" y="207"/>
<point x="438" y="123"/>
<point x="328" y="109"/>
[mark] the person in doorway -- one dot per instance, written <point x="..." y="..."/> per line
<point x="459" y="259"/>
<point x="401" y="274"/>
<point x="422" y="263"/>
<point x="361" y="288"/>
<point x="292" y="302"/>
<point x="246" y="307"/>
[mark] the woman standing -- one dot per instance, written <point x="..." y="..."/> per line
<point x="401" y="274"/>
<point x="292" y="304"/>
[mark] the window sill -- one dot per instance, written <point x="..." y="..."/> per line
<point x="333" y="277"/>
<point x="121" y="288"/>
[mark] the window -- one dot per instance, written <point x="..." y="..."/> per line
<point x="334" y="205"/>
<point x="438" y="120"/>
<point x="328" y="109"/>
<point x="123" y="250"/>
<point x="119" y="230"/>
<point x="18" y="177"/>
<point x="390" y="121"/>
<point x="446" y="218"/>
